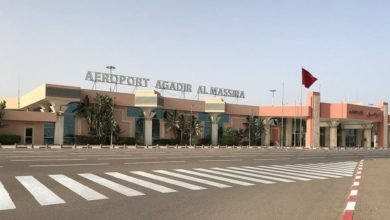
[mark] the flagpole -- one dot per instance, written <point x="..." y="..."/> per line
<point x="300" y="123"/>
<point x="295" y="122"/>
<point x="282" y="138"/>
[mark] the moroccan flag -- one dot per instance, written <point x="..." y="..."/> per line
<point x="307" y="78"/>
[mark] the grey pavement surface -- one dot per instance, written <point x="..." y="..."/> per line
<point x="284" y="184"/>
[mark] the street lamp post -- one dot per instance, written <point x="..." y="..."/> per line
<point x="273" y="95"/>
<point x="191" y="127"/>
<point x="113" y="103"/>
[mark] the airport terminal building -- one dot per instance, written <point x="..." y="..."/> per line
<point x="47" y="115"/>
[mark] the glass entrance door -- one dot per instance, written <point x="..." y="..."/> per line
<point x="28" y="135"/>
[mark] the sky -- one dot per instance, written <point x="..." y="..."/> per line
<point x="254" y="46"/>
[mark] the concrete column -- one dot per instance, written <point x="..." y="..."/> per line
<point x="148" y="126"/>
<point x="266" y="140"/>
<point x="289" y="130"/>
<point x="327" y="137"/>
<point x="162" y="128"/>
<point x="359" y="137"/>
<point x="385" y="125"/>
<point x="59" y="130"/>
<point x="343" y="138"/>
<point x="367" y="135"/>
<point x="214" y="134"/>
<point x="313" y="122"/>
<point x="333" y="133"/>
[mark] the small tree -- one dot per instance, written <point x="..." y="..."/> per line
<point x="182" y="125"/>
<point x="100" y="117"/>
<point x="2" y="113"/>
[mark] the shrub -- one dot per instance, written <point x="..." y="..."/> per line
<point x="163" y="142"/>
<point x="7" y="139"/>
<point x="84" y="140"/>
<point x="227" y="140"/>
<point x="126" y="140"/>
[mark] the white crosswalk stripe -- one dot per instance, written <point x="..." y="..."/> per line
<point x="238" y="182"/>
<point x="111" y="185"/>
<point x="78" y="188"/>
<point x="255" y="170"/>
<point x="341" y="173"/>
<point x="231" y="170"/>
<point x="140" y="182"/>
<point x="40" y="192"/>
<point x="6" y="202"/>
<point x="207" y="182"/>
<point x="170" y="181"/>
<point x="234" y="176"/>
<point x="288" y="173"/>
<point x="283" y="168"/>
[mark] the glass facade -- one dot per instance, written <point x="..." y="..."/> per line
<point x="69" y="123"/>
<point x="48" y="133"/>
<point x="28" y="135"/>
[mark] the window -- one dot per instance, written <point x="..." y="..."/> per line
<point x="48" y="133"/>
<point x="28" y="135"/>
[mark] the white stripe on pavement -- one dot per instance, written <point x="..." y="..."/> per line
<point x="350" y="206"/>
<point x="69" y="165"/>
<point x="299" y="173"/>
<point x="254" y="175"/>
<point x="255" y="170"/>
<point x="289" y="173"/>
<point x="215" y="177"/>
<point x="40" y="192"/>
<point x="320" y="171"/>
<point x="111" y="185"/>
<point x="156" y="162"/>
<point x="83" y="191"/>
<point x="220" y="160"/>
<point x="6" y="202"/>
<point x="234" y="176"/>
<point x="304" y="172"/>
<point x="170" y="181"/>
<point x="211" y="183"/>
<point x="354" y="192"/>
<point x="140" y="182"/>
<point x="34" y="160"/>
<point x="274" y="159"/>
<point x="341" y="171"/>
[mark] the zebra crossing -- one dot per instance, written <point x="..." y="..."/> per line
<point x="171" y="181"/>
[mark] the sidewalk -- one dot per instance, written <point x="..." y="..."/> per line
<point x="373" y="199"/>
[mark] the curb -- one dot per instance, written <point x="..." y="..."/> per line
<point x="352" y="198"/>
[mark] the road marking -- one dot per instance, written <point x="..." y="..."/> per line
<point x="356" y="183"/>
<point x="140" y="182"/>
<point x="207" y="182"/>
<point x="6" y="202"/>
<point x="350" y="206"/>
<point x="184" y="157"/>
<point x="40" y="192"/>
<point x="33" y="160"/>
<point x="340" y="170"/>
<point x="69" y="165"/>
<point x="290" y="173"/>
<point x="253" y="175"/>
<point x="126" y="158"/>
<point x="29" y="156"/>
<point x="354" y="192"/>
<point x="216" y="177"/>
<point x="234" y="176"/>
<point x="220" y="160"/>
<point x="111" y="185"/>
<point x="155" y="162"/>
<point x="358" y="177"/>
<point x="276" y="167"/>
<point x="274" y="159"/>
<point x="83" y="191"/>
<point x="170" y="181"/>
<point x="309" y="158"/>
<point x="256" y="170"/>
<point x="322" y="171"/>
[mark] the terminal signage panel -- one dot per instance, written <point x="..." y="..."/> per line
<point x="94" y="76"/>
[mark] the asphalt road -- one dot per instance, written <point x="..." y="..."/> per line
<point x="124" y="184"/>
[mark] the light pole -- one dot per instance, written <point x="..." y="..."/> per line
<point x="191" y="127"/>
<point x="249" y="126"/>
<point x="113" y="103"/>
<point x="273" y="95"/>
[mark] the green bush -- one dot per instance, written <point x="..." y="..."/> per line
<point x="84" y="140"/>
<point x="8" y="139"/>
<point x="227" y="140"/>
<point x="126" y="140"/>
<point x="163" y="142"/>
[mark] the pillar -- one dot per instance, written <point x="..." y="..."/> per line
<point x="59" y="130"/>
<point x="148" y="126"/>
<point x="289" y="130"/>
<point x="367" y="135"/>
<point x="162" y="128"/>
<point x="383" y="127"/>
<point x="214" y="128"/>
<point x="343" y="138"/>
<point x="359" y="137"/>
<point x="333" y="133"/>
<point x="267" y="132"/>
<point x="327" y="137"/>
<point x="313" y="122"/>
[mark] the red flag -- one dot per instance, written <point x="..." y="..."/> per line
<point x="307" y="78"/>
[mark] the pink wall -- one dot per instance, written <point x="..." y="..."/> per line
<point x="18" y="128"/>
<point x="13" y="115"/>
<point x="286" y="111"/>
